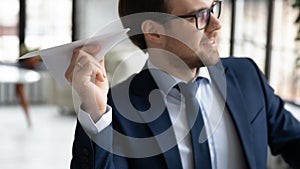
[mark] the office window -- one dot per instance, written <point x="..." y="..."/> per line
<point x="251" y="38"/>
<point x="48" y="23"/>
<point x="251" y="30"/>
<point x="224" y="35"/>
<point x="9" y="40"/>
<point x="285" y="73"/>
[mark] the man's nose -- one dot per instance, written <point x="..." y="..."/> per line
<point x="214" y="24"/>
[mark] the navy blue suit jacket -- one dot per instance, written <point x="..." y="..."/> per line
<point x="258" y="115"/>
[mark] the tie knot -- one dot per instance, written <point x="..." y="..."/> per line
<point x="189" y="90"/>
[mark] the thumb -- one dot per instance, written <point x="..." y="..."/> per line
<point x="102" y="66"/>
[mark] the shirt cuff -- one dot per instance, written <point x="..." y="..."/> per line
<point x="90" y="126"/>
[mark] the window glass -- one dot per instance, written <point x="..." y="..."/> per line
<point x="224" y="35"/>
<point x="49" y="23"/>
<point x="285" y="66"/>
<point x="9" y="41"/>
<point x="251" y="30"/>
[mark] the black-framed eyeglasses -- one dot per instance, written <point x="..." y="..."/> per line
<point x="202" y="17"/>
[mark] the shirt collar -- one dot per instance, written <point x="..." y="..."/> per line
<point x="170" y="81"/>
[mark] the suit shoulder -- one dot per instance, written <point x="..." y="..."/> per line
<point x="240" y="64"/>
<point x="245" y="61"/>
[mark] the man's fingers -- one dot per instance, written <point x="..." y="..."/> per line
<point x="90" y="70"/>
<point x="90" y="49"/>
<point x="102" y="67"/>
<point x="82" y="56"/>
<point x="70" y="69"/>
<point x="97" y="69"/>
<point x="69" y="72"/>
<point x="85" y="50"/>
<point x="87" y="59"/>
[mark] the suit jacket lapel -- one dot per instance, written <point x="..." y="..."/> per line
<point x="236" y="106"/>
<point x="142" y="85"/>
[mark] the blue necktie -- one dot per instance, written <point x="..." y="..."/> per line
<point x="201" y="153"/>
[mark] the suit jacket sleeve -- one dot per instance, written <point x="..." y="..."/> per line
<point x="284" y="128"/>
<point x="88" y="155"/>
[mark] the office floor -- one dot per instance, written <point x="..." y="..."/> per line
<point x="48" y="143"/>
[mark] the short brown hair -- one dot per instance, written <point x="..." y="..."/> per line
<point x="129" y="7"/>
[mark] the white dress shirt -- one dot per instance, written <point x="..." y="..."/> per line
<point x="224" y="144"/>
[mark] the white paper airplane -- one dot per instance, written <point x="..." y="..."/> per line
<point x="57" y="59"/>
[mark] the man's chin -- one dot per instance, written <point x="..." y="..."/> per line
<point x="209" y="59"/>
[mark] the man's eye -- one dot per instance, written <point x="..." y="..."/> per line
<point x="191" y="19"/>
<point x="202" y="17"/>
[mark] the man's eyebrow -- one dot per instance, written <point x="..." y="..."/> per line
<point x="192" y="12"/>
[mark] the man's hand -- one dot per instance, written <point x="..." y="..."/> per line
<point x="88" y="78"/>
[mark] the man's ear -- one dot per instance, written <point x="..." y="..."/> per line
<point x="154" y="32"/>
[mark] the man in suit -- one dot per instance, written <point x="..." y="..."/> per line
<point x="187" y="108"/>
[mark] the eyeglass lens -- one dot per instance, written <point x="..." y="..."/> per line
<point x="204" y="15"/>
